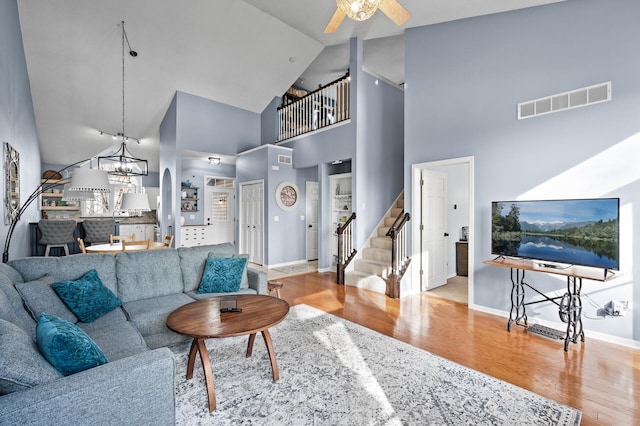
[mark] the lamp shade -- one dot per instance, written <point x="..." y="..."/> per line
<point x="93" y="180"/>
<point x="68" y="195"/>
<point x="135" y="202"/>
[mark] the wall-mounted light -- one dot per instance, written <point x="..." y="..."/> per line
<point x="214" y="160"/>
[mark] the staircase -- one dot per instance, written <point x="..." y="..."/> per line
<point x="372" y="266"/>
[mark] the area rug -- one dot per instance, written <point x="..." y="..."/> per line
<point x="335" y="372"/>
<point x="295" y="269"/>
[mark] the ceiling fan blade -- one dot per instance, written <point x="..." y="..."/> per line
<point x="335" y="21"/>
<point x="395" y="11"/>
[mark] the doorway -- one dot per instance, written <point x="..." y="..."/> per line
<point x="251" y="226"/>
<point x="443" y="204"/>
<point x="220" y="209"/>
<point x="311" y="207"/>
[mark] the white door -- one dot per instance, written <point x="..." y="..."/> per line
<point x="312" y="220"/>
<point x="251" y="224"/>
<point x="434" y="225"/>
<point x="220" y="214"/>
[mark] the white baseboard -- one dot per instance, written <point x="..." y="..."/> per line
<point x="630" y="343"/>
<point x="280" y="265"/>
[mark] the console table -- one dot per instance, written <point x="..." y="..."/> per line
<point x="569" y="304"/>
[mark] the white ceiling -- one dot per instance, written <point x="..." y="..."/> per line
<point x="241" y="53"/>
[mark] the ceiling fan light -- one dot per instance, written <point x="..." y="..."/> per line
<point x="358" y="10"/>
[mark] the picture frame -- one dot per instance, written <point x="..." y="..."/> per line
<point x="12" y="183"/>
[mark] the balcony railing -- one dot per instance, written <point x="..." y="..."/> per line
<point x="346" y="247"/>
<point x="324" y="107"/>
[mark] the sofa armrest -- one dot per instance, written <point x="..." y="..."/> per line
<point x="257" y="280"/>
<point x="133" y="390"/>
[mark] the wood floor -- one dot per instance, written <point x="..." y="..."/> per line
<point x="600" y="379"/>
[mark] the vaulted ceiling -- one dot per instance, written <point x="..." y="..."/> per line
<point x="241" y="53"/>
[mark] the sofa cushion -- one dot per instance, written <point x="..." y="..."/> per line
<point x="87" y="297"/>
<point x="150" y="315"/>
<point x="21" y="364"/>
<point x="245" y="279"/>
<point x="193" y="259"/>
<point x="117" y="341"/>
<point x="68" y="268"/>
<point x="198" y="296"/>
<point x="222" y="275"/>
<point x="39" y="296"/>
<point x="147" y="274"/>
<point x="68" y="348"/>
<point x="13" y="275"/>
<point x="11" y="308"/>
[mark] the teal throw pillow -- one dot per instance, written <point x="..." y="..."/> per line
<point x="87" y="297"/>
<point x="222" y="275"/>
<point x="66" y="346"/>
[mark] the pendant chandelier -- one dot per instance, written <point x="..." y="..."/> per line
<point x="122" y="162"/>
<point x="359" y="10"/>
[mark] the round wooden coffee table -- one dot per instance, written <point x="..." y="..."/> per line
<point x="203" y="320"/>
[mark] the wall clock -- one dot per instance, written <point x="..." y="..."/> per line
<point x="287" y="195"/>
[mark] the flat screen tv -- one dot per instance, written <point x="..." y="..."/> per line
<point x="582" y="232"/>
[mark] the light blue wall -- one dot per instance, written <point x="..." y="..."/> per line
<point x="210" y="126"/>
<point x="170" y="170"/>
<point x="269" y="122"/>
<point x="463" y="81"/>
<point x="380" y="152"/>
<point x="199" y="124"/>
<point x="17" y="123"/>
<point x="196" y="171"/>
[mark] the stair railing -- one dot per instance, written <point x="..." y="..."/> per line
<point x="321" y="108"/>
<point x="399" y="254"/>
<point x="346" y="250"/>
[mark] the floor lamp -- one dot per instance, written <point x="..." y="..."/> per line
<point x="83" y="179"/>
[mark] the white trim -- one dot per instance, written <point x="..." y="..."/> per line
<point x="268" y="145"/>
<point x="630" y="343"/>
<point x="280" y="265"/>
<point x="415" y="208"/>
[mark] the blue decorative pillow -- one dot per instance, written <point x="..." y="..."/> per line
<point x="87" y="297"/>
<point x="222" y="275"/>
<point x="66" y="346"/>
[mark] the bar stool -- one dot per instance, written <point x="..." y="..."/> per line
<point x="57" y="233"/>
<point x="98" y="231"/>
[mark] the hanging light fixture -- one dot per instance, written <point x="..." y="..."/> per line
<point x="123" y="163"/>
<point x="214" y="160"/>
<point x="359" y="10"/>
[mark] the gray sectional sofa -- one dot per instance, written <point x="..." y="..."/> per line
<point x="136" y="386"/>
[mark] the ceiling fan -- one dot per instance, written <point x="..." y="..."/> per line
<point x="360" y="10"/>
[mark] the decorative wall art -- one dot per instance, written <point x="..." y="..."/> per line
<point x="12" y="183"/>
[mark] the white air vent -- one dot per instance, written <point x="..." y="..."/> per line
<point x="284" y="159"/>
<point x="567" y="100"/>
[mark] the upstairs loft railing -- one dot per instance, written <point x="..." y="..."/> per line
<point x="399" y="258"/>
<point x="321" y="108"/>
<point x="346" y="244"/>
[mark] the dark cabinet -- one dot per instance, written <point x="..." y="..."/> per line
<point x="462" y="258"/>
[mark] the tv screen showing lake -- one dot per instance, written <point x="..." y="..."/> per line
<point x="576" y="232"/>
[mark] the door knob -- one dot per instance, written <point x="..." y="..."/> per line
<point x="446" y="234"/>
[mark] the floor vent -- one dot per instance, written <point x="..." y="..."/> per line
<point x="284" y="159"/>
<point x="567" y="100"/>
<point x="542" y="330"/>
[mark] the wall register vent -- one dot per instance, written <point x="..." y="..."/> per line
<point x="284" y="159"/>
<point x="567" y="100"/>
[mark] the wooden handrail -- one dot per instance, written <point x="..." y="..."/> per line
<point x="346" y="250"/>
<point x="399" y="259"/>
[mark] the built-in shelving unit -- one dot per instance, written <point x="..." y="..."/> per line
<point x="341" y="205"/>
<point x="189" y="199"/>
<point x="52" y="205"/>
